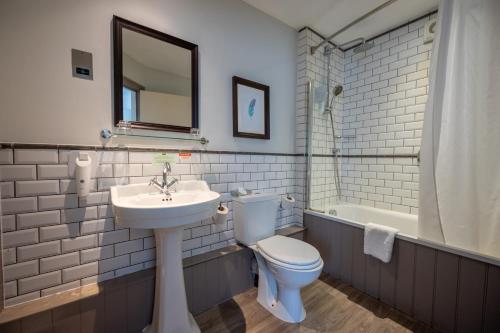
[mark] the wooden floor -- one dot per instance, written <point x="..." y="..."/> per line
<point x="331" y="306"/>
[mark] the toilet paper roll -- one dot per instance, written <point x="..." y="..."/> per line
<point x="288" y="202"/>
<point x="221" y="215"/>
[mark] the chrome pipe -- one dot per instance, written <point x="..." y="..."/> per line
<point x="359" y="19"/>
<point x="309" y="142"/>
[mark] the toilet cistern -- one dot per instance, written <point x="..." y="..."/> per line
<point x="285" y="264"/>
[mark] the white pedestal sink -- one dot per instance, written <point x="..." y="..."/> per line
<point x="142" y="206"/>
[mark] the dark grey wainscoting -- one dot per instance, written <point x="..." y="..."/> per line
<point x="212" y="282"/>
<point x="125" y="304"/>
<point x="446" y="291"/>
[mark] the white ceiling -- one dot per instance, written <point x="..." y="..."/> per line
<point x="329" y="16"/>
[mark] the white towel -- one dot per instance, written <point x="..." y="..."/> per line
<point x="379" y="240"/>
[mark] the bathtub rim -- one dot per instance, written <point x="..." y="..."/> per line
<point x="417" y="240"/>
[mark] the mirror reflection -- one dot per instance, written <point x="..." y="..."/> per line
<point x="156" y="78"/>
<point x="156" y="81"/>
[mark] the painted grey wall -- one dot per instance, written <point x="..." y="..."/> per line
<point x="233" y="37"/>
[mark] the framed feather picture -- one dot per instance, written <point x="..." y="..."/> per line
<point x="250" y="109"/>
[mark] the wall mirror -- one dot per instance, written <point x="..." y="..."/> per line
<point x="155" y="78"/>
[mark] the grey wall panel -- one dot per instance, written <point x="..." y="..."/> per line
<point x="40" y="322"/>
<point x="372" y="280"/>
<point x="471" y="288"/>
<point x="424" y="283"/>
<point x="313" y="225"/>
<point x="388" y="276"/>
<point x="149" y="305"/>
<point x="213" y="282"/>
<point x="325" y="242"/>
<point x="231" y="275"/>
<point x="200" y="290"/>
<point x="138" y="318"/>
<point x="245" y="277"/>
<point x="115" y="307"/>
<point x="492" y="301"/>
<point x="358" y="260"/>
<point x="67" y="318"/>
<point x="346" y="253"/>
<point x="445" y="295"/>
<point x="223" y="289"/>
<point x="336" y="259"/>
<point x="405" y="276"/>
<point x="15" y="327"/>
<point x="326" y="238"/>
<point x="92" y="314"/>
<point x="189" y="283"/>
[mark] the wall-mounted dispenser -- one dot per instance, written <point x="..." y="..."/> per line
<point x="83" y="171"/>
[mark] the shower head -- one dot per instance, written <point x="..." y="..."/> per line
<point x="328" y="50"/>
<point x="337" y="90"/>
<point x="364" y="46"/>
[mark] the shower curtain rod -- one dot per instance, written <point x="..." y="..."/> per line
<point x="359" y="19"/>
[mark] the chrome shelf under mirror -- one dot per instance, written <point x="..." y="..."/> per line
<point x="108" y="134"/>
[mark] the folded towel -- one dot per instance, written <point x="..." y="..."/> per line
<point x="379" y="240"/>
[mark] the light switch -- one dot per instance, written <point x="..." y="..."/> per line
<point x="81" y="62"/>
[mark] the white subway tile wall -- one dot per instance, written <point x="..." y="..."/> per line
<point x="314" y="68"/>
<point x="380" y="113"/>
<point x="385" y="93"/>
<point x="54" y="241"/>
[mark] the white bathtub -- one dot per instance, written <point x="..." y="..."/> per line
<point x="407" y="224"/>
<point x="357" y="214"/>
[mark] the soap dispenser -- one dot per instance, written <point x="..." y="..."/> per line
<point x="83" y="172"/>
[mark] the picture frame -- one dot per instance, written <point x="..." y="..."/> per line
<point x="250" y="109"/>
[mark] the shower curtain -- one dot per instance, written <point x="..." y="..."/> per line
<point x="460" y="152"/>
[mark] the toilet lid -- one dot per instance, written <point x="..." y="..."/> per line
<point x="289" y="250"/>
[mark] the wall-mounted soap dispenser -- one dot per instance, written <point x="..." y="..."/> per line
<point x="83" y="171"/>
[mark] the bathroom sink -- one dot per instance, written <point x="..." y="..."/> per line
<point x="142" y="206"/>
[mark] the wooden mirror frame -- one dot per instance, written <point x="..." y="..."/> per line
<point x="119" y="24"/>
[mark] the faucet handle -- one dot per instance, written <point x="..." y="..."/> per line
<point x="168" y="167"/>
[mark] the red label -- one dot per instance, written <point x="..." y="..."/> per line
<point x="185" y="156"/>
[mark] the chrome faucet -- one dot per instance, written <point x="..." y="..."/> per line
<point x="165" y="185"/>
<point x="167" y="169"/>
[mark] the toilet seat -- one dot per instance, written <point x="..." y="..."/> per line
<point x="289" y="253"/>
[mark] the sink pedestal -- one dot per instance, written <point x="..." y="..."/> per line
<point x="142" y="206"/>
<point x="170" y="310"/>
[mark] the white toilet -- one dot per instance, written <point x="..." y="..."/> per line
<point x="285" y="264"/>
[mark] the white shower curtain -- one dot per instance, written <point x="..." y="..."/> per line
<point x="460" y="153"/>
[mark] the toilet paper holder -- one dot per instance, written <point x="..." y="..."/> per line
<point x="287" y="202"/>
<point x="221" y="214"/>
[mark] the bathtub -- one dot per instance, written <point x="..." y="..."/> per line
<point x="445" y="287"/>
<point x="407" y="224"/>
<point x="361" y="215"/>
